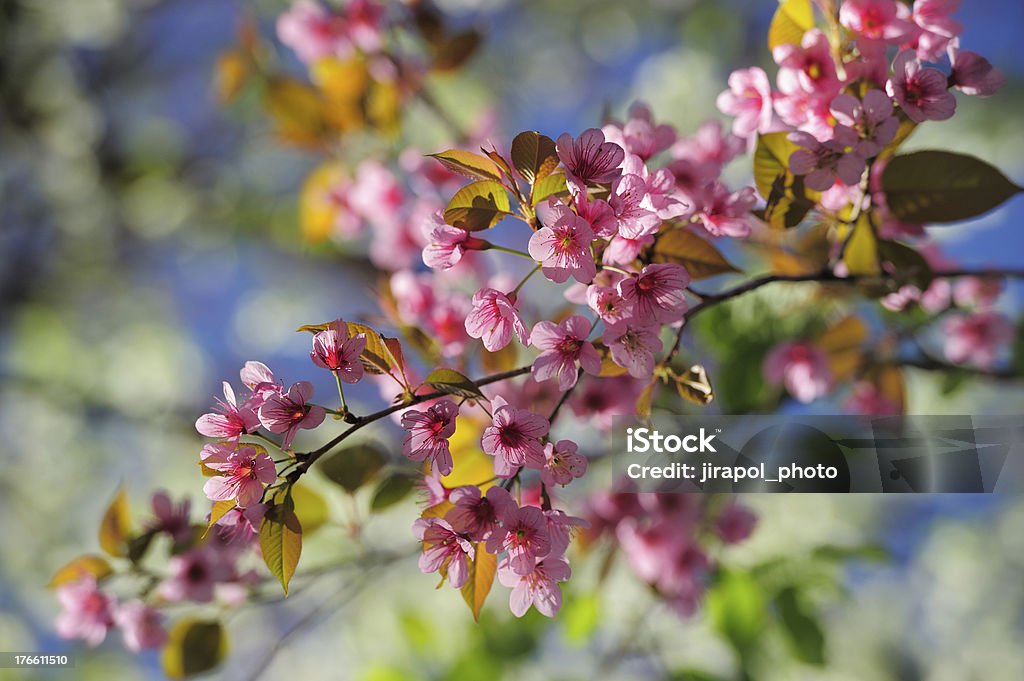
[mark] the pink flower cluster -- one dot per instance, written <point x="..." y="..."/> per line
<point x="818" y="83"/>
<point x="314" y="31"/>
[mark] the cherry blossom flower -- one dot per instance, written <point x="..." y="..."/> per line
<point x="608" y="303"/>
<point x="977" y="338"/>
<point x="724" y="213"/>
<point x="735" y="523"/>
<point x="602" y="400"/>
<point x="194" y="574"/>
<point x="564" y="346"/>
<point x="980" y="292"/>
<point x="872" y="117"/>
<point x="656" y="293"/>
<point x="230" y="421"/>
<point x="475" y="515"/>
<point x="936" y="27"/>
<point x="539" y="588"/>
<point x="922" y="93"/>
<point x="241" y="526"/>
<point x="749" y="99"/>
<point x="598" y="214"/>
<point x="623" y="251"/>
<point x="428" y="432"/>
<point x="141" y="625"/>
<point x="588" y="159"/>
<point x="808" y="66"/>
<point x="633" y="343"/>
<point x="170" y="519"/>
<point x="513" y="438"/>
<point x="710" y="148"/>
<point x="313" y="32"/>
<point x="259" y="379"/>
<point x="493" y="319"/>
<point x="823" y="162"/>
<point x="802" y="367"/>
<point x="563" y="463"/>
<point x="287" y="413"/>
<point x="444" y="549"/>
<point x="632" y="208"/>
<point x="865" y="398"/>
<point x="523" y="534"/>
<point x="561" y="527"/>
<point x="446" y="244"/>
<point x="662" y="197"/>
<point x="562" y="244"/>
<point x="87" y="613"/>
<point x="640" y="135"/>
<point x="243" y="473"/>
<point x="336" y="349"/>
<point x="807" y="112"/>
<point x="875" y="20"/>
<point x="973" y="74"/>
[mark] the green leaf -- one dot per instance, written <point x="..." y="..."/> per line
<point x="468" y="164"/>
<point x="83" y="566"/>
<point x="534" y="156"/>
<point x="453" y="383"/>
<point x="700" y="258"/>
<point x="803" y="633"/>
<point x="792" y="19"/>
<point x="861" y="252"/>
<point x="139" y="545"/>
<point x="193" y="646"/>
<point x="391" y="490"/>
<point x="281" y="540"/>
<point x="478" y="206"/>
<point x="354" y="466"/>
<point x="737" y="609"/>
<point x="771" y="159"/>
<point x="788" y="202"/>
<point x="875" y="553"/>
<point x="310" y="507"/>
<point x="482" y="569"/>
<point x="115" y="528"/>
<point x="940" y="186"/>
<point x="219" y="510"/>
<point x="552" y="185"/>
<point x="908" y="264"/>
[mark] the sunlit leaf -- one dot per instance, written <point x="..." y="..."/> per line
<point x="231" y="74"/>
<point x="83" y="566"/>
<point x="193" y="646"/>
<point x="468" y="164"/>
<point x="478" y="206"/>
<point x="861" y="252"/>
<point x="792" y="19"/>
<point x="310" y="507"/>
<point x="533" y="155"/>
<point x="297" y="111"/>
<point x="281" y="540"/>
<point x="771" y="159"/>
<point x="452" y="382"/>
<point x="552" y="185"/>
<point x="354" y="466"/>
<point x="471" y="466"/>
<point x="502" y="360"/>
<point x="736" y="606"/>
<point x="645" y="401"/>
<point x="219" y="510"/>
<point x="700" y="258"/>
<point x="391" y="490"/>
<point x="317" y="209"/>
<point x="482" y="569"/>
<point x="842" y="345"/>
<point x="695" y="386"/>
<point x="941" y="186"/>
<point x="115" y="528"/>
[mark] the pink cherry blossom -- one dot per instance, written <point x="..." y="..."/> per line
<point x="141" y="625"/>
<point x="973" y="74"/>
<point x="598" y="214"/>
<point x="241" y="526"/>
<point x="364" y="18"/>
<point x="979" y="292"/>
<point x="922" y="93"/>
<point x="807" y="112"/>
<point x="313" y="32"/>
<point x="377" y="195"/>
<point x="710" y="148"/>
<point x="259" y="379"/>
<point x="640" y="135"/>
<point x="475" y="515"/>
<point x="656" y="293"/>
<point x="661" y="195"/>
<point x="735" y="523"/>
<point x="936" y="27"/>
<point x="513" y="438"/>
<point x="872" y="117"/>
<point x="562" y="244"/>
<point x="588" y="159"/>
<point x="493" y="319"/>
<point x="865" y="398"/>
<point x="623" y="251"/>
<point x="539" y="588"/>
<point x="170" y="519"/>
<point x="289" y="412"/>
<point x="444" y="549"/>
<point x="563" y="463"/>
<point x="822" y="163"/>
<point x="875" y="20"/>
<point x="808" y="66"/>
<point x="230" y="421"/>
<point x="802" y="367"/>
<point x="446" y="244"/>
<point x="446" y="323"/>
<point x="749" y="99"/>
<point x="336" y="349"/>
<point x="600" y="401"/>
<point x="977" y="338"/>
<point x="564" y="346"/>
<point x="428" y="432"/>
<point x="633" y="343"/>
<point x="243" y="473"/>
<point x="724" y="213"/>
<point x="523" y="534"/>
<point x="632" y="208"/>
<point x="87" y="612"/>
<point x="194" y="574"/>
<point x="561" y="527"/>
<point x="608" y="303"/>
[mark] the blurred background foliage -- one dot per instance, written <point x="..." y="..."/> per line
<point x="149" y="245"/>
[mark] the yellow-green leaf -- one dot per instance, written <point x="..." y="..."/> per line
<point x="310" y="507"/>
<point x="792" y="19"/>
<point x="219" y="510"/>
<point x="771" y="159"/>
<point x="281" y="541"/>
<point x="468" y="164"/>
<point x="115" y="527"/>
<point x="193" y="646"/>
<point x="478" y="206"/>
<point x="83" y="566"/>
<point x="392" y="490"/>
<point x="842" y="345"/>
<point x="695" y="386"/>
<point x="700" y="258"/>
<point x="502" y="360"/>
<point x="452" y="382"/>
<point x="354" y="466"/>
<point x="482" y="569"/>
<point x="861" y="252"/>
<point x="552" y="185"/>
<point x="533" y="155"/>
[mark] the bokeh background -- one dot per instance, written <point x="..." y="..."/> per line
<point x="148" y="246"/>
